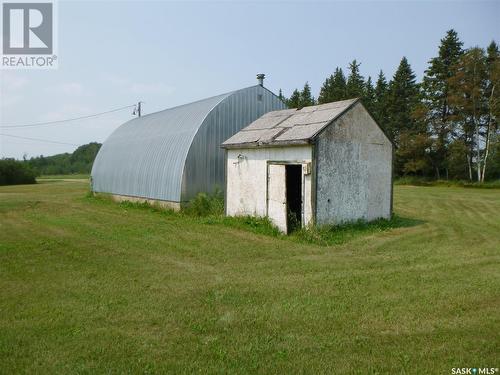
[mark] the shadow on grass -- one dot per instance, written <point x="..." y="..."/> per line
<point x="326" y="235"/>
<point x="338" y="234"/>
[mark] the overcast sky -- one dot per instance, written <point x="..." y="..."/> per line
<point x="112" y="54"/>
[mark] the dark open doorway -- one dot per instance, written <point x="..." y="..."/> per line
<point x="294" y="197"/>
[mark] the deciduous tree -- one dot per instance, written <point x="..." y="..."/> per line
<point x="467" y="98"/>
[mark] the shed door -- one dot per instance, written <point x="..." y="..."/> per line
<point x="276" y="195"/>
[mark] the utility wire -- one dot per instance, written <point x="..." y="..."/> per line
<point x="70" y="119"/>
<point x="38" y="139"/>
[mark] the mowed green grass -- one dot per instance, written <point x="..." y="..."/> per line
<point x="63" y="177"/>
<point x="89" y="286"/>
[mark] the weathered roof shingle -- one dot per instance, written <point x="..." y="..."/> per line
<point x="288" y="126"/>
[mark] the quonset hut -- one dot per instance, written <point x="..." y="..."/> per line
<point x="169" y="156"/>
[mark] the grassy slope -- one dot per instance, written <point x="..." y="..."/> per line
<point x="90" y="286"/>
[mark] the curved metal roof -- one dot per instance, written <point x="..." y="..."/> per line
<point x="148" y="148"/>
<point x="146" y="156"/>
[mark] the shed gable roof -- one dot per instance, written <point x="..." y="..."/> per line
<point x="289" y="126"/>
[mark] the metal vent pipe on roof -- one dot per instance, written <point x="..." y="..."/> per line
<point x="260" y="78"/>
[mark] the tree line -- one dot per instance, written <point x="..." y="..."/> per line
<point x="80" y="161"/>
<point x="14" y="172"/>
<point x="445" y="126"/>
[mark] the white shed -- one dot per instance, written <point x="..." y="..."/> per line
<point x="324" y="164"/>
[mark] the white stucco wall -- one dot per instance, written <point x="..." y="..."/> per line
<point x="246" y="179"/>
<point x="354" y="168"/>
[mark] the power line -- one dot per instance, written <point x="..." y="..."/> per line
<point x="38" y="139"/>
<point x="70" y="119"/>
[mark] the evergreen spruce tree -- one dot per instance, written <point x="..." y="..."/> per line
<point x="380" y="104"/>
<point x="492" y="53"/>
<point x="402" y="98"/>
<point x="436" y="92"/>
<point x="326" y="90"/>
<point x="339" y="86"/>
<point x="334" y="88"/>
<point x="355" y="81"/>
<point x="402" y="101"/>
<point x="294" y="100"/>
<point x="369" y="95"/>
<point x="306" y="98"/>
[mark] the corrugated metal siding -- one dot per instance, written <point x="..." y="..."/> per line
<point x="204" y="168"/>
<point x="177" y="151"/>
<point x="145" y="156"/>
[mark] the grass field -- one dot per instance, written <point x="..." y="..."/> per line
<point x="89" y="286"/>
<point x="63" y="177"/>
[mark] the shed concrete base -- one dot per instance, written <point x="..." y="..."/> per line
<point x="169" y="205"/>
